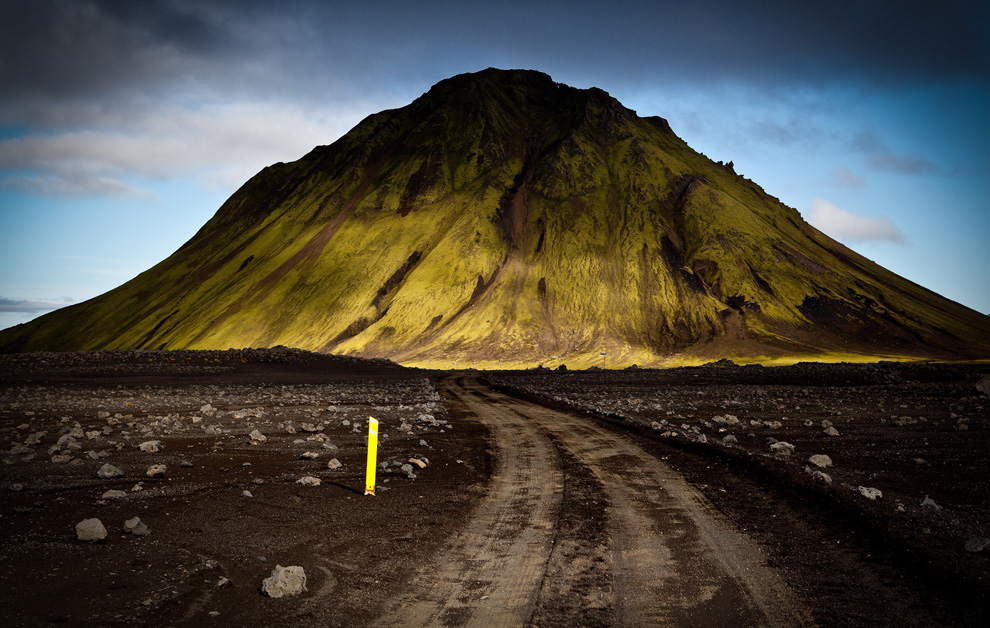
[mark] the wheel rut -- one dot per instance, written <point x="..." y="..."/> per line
<point x="661" y="556"/>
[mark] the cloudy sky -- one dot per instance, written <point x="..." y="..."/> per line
<point x="124" y="125"/>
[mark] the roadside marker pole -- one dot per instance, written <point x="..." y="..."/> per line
<point x="369" y="483"/>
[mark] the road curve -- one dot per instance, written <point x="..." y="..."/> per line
<point x="674" y="560"/>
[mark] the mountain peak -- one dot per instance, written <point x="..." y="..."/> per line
<point x="506" y="219"/>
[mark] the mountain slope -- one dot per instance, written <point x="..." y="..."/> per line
<point x="505" y="218"/>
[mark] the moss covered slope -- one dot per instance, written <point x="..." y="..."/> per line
<point x="506" y="219"/>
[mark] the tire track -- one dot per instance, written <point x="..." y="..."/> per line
<point x="677" y="562"/>
<point x="491" y="572"/>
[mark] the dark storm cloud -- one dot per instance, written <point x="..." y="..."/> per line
<point x="59" y="49"/>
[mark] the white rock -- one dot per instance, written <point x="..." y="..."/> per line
<point x="108" y="471"/>
<point x="246" y="494"/>
<point x="284" y="581"/>
<point x="820" y="460"/>
<point x="309" y="455"/>
<point x="334" y="464"/>
<point x="151" y="446"/>
<point x="156" y="471"/>
<point x="872" y="494"/>
<point x="90" y="530"/>
<point x="782" y="447"/>
<point x="135" y="527"/>
<point x="257" y="437"/>
<point x="308" y="480"/>
<point x="830" y="431"/>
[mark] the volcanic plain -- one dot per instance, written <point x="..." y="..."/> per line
<point x="688" y="496"/>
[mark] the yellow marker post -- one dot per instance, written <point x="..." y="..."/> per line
<point x="369" y="483"/>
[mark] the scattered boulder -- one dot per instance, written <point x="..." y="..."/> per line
<point x="818" y="474"/>
<point x="256" y="437"/>
<point x="334" y="464"/>
<point x="108" y="471"/>
<point x="151" y="446"/>
<point x="871" y="494"/>
<point x="984" y="387"/>
<point x="136" y="527"/>
<point x="729" y="439"/>
<point x="830" y="431"/>
<point x="308" y="480"/>
<point x="156" y="471"/>
<point x="977" y="544"/>
<point x="284" y="581"/>
<point x="782" y="447"/>
<point x="821" y="461"/>
<point x="90" y="530"/>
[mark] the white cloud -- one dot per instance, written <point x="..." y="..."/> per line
<point x="220" y="144"/>
<point x="845" y="225"/>
<point x="31" y="306"/>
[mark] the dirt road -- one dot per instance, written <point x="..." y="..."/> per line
<point x="664" y="556"/>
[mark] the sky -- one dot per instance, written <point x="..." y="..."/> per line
<point x="125" y="125"/>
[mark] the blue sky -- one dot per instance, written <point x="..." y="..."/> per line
<point x="124" y="126"/>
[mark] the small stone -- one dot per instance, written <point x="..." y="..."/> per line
<point x="17" y="487"/>
<point x="984" y="387"/>
<point x="334" y="464"/>
<point x="136" y="527"/>
<point x="419" y="463"/>
<point x="186" y="464"/>
<point x="257" y="481"/>
<point x="977" y="544"/>
<point x="308" y="480"/>
<point x="821" y="461"/>
<point x="284" y="581"/>
<point x="422" y="443"/>
<point x="90" y="530"/>
<point x="309" y="455"/>
<point x="108" y="471"/>
<point x="246" y="494"/>
<point x="782" y="447"/>
<point x="308" y="427"/>
<point x="59" y="458"/>
<point x="151" y="446"/>
<point x="222" y="582"/>
<point x="156" y="471"/>
<point x="729" y="439"/>
<point x="826" y="424"/>
<point x="137" y="487"/>
<point x="113" y="494"/>
<point x="329" y="447"/>
<point x="408" y="470"/>
<point x="930" y="504"/>
<point x="818" y="474"/>
<point x="830" y="431"/>
<point x="256" y="437"/>
<point x="871" y="494"/>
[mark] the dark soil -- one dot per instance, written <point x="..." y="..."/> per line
<point x="852" y="561"/>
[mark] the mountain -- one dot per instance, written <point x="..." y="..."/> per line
<point x="503" y="218"/>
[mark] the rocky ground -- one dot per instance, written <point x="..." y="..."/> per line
<point x="890" y="460"/>
<point x="196" y="466"/>
<point x="233" y="463"/>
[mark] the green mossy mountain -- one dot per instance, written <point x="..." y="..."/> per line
<point x="503" y="218"/>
